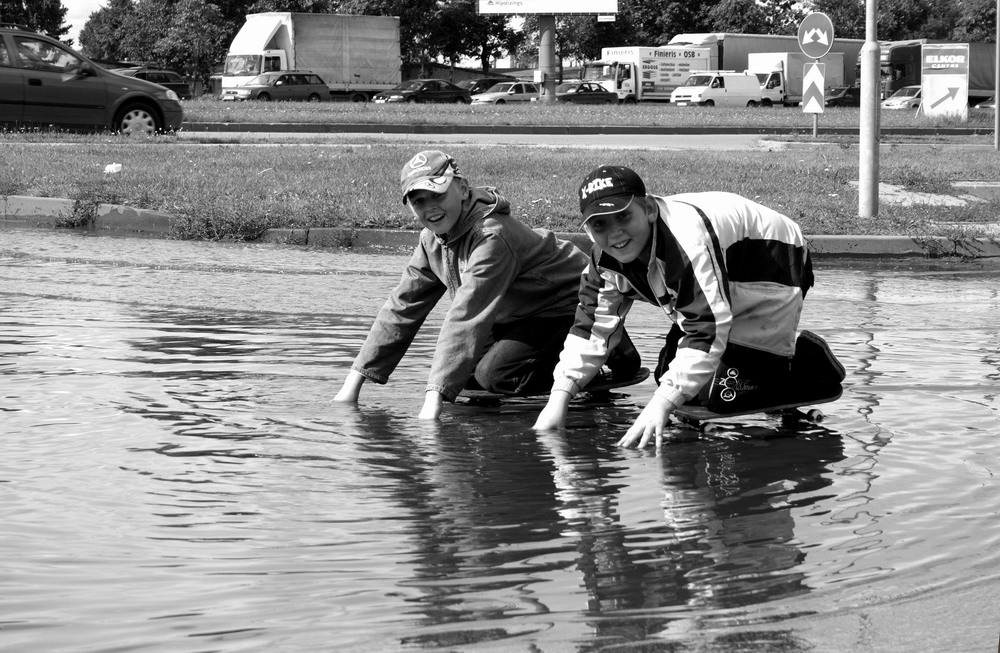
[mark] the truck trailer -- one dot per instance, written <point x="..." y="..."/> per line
<point x="780" y="74"/>
<point x="733" y="50"/>
<point x="900" y="63"/>
<point x="357" y="56"/>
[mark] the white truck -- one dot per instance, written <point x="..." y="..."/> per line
<point x="732" y="51"/>
<point x="780" y="74"/>
<point x="640" y="74"/>
<point x="357" y="56"/>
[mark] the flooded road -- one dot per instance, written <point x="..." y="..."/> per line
<point x="177" y="477"/>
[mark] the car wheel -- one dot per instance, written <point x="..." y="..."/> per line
<point x="501" y="102"/>
<point x="264" y="97"/>
<point x="136" y="119"/>
<point x="315" y="97"/>
<point x="462" y="100"/>
<point x="709" y="103"/>
<point x="411" y="100"/>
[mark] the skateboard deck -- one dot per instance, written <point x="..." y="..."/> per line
<point x="598" y="387"/>
<point x="790" y="412"/>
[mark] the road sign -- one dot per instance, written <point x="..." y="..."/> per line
<point x="944" y="79"/>
<point x="813" y="99"/>
<point x="815" y="35"/>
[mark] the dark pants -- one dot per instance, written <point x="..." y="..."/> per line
<point x="522" y="357"/>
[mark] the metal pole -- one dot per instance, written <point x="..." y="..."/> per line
<point x="996" y="84"/>
<point x="547" y="56"/>
<point x="868" y="132"/>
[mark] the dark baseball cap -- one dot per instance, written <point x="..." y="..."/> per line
<point x="609" y="189"/>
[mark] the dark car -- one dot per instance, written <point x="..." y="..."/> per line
<point x="425" y="90"/>
<point x="585" y="93"/>
<point x="844" y="96"/>
<point x="167" y="78"/>
<point x="483" y="84"/>
<point x="282" y="85"/>
<point x="46" y="83"/>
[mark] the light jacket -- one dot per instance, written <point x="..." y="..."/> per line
<point x="722" y="267"/>
<point x="496" y="271"/>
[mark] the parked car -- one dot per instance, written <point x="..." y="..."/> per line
<point x="425" y="90"/>
<point x="585" y="93"/>
<point x="844" y="96"/>
<point x="507" y="92"/>
<point x="988" y="105"/>
<point x="167" y="78"/>
<point x="483" y="84"/>
<point x="283" y="85"/>
<point x="907" y="97"/>
<point x="45" y="83"/>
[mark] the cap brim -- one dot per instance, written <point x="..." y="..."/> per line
<point x="433" y="184"/>
<point x="606" y="206"/>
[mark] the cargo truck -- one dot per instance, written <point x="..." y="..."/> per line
<point x="640" y="74"/>
<point x="732" y="51"/>
<point x="900" y="63"/>
<point x="780" y="74"/>
<point x="357" y="56"/>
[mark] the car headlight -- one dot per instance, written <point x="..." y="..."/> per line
<point x="172" y="95"/>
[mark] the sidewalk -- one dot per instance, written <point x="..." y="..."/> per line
<point x="39" y="212"/>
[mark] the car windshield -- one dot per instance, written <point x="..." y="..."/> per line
<point x="566" y="88"/>
<point x="698" y="80"/>
<point x="500" y="88"/>
<point x="907" y="91"/>
<point x="262" y="80"/>
<point x="411" y="85"/>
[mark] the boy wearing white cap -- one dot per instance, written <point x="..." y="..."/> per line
<point x="730" y="274"/>
<point x="513" y="292"/>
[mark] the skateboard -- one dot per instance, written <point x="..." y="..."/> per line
<point x="791" y="414"/>
<point x="600" y="388"/>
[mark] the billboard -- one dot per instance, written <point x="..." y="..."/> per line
<point x="944" y="88"/>
<point x="548" y="6"/>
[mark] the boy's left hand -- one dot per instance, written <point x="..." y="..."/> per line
<point x="432" y="405"/>
<point x="650" y="423"/>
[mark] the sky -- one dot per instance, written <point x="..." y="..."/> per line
<point x="77" y="13"/>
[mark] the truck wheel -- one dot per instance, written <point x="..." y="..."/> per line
<point x="359" y="97"/>
<point x="315" y="97"/>
<point x="629" y="100"/>
<point x="136" y="119"/>
<point x="264" y="97"/>
<point x="767" y="102"/>
<point x="752" y="104"/>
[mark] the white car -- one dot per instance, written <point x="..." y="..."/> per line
<point x="907" y="97"/>
<point x="507" y="92"/>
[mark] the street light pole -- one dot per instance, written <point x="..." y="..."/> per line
<point x="868" y="129"/>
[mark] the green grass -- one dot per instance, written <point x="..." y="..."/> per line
<point x="237" y="192"/>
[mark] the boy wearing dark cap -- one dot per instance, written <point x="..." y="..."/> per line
<point x="731" y="274"/>
<point x="513" y="292"/>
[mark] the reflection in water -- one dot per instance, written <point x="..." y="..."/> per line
<point x="174" y="464"/>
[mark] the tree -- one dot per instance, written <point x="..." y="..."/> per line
<point x="194" y="40"/>
<point x="101" y="36"/>
<point x="44" y="16"/>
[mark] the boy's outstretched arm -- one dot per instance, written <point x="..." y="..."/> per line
<point x="351" y="389"/>
<point x="553" y="416"/>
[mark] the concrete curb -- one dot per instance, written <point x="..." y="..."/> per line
<point x="34" y="212"/>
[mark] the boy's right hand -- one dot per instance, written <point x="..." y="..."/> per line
<point x="553" y="416"/>
<point x="351" y="389"/>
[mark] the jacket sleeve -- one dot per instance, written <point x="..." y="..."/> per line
<point x="399" y="319"/>
<point x="489" y="271"/>
<point x="599" y="323"/>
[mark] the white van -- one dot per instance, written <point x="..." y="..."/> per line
<point x="723" y="88"/>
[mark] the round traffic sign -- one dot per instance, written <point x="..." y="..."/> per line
<point x="816" y="35"/>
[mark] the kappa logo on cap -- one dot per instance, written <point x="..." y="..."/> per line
<point x="596" y="185"/>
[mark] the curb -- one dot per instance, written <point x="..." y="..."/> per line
<point x="112" y="219"/>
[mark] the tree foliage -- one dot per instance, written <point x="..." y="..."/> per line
<point x="45" y="16"/>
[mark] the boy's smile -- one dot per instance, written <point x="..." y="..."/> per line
<point x="439" y="212"/>
<point x="625" y="235"/>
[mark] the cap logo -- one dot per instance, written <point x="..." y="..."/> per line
<point x="596" y="185"/>
<point x="418" y="160"/>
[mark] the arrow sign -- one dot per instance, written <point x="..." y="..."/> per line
<point x="815" y="35"/>
<point x="813" y="75"/>
<point x="950" y="95"/>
